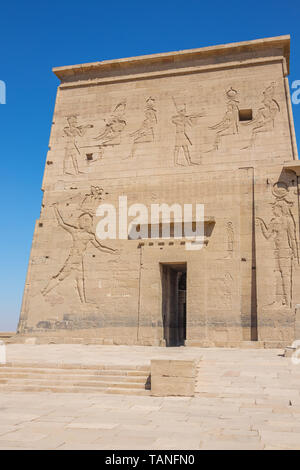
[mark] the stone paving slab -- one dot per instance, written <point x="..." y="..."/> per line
<point x="227" y="413"/>
<point x="93" y="355"/>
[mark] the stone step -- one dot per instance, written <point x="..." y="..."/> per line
<point x="74" y="377"/>
<point x="6" y="371"/>
<point x="61" y="389"/>
<point x="75" y="383"/>
<point x="43" y="365"/>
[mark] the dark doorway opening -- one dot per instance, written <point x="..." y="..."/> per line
<point x="173" y="277"/>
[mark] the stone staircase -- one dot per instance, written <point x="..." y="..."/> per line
<point x="7" y="336"/>
<point x="74" y="378"/>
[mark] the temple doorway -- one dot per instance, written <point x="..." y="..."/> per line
<point x="173" y="277"/>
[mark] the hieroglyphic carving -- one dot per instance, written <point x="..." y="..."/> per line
<point x="230" y="239"/>
<point x="220" y="292"/>
<point x="110" y="135"/>
<point x="227" y="295"/>
<point x="229" y="125"/>
<point x="82" y="235"/>
<point x="264" y="121"/>
<point x="282" y="231"/>
<point x="72" y="152"/>
<point x="182" y="140"/>
<point x="146" y="132"/>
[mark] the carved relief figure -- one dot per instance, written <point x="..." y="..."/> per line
<point x="146" y="132"/>
<point x="92" y="200"/>
<point x="264" y="121"/>
<point x="220" y="292"/>
<point x="228" y="286"/>
<point x="110" y="135"/>
<point x="82" y="235"/>
<point x="230" y="239"/>
<point x="72" y="152"/>
<point x="282" y="231"/>
<point x="182" y="140"/>
<point x="230" y="122"/>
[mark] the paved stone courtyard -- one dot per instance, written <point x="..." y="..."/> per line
<point x="246" y="399"/>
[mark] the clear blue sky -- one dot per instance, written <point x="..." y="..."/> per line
<point x="37" y="35"/>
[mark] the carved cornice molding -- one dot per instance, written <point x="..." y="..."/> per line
<point x="180" y="62"/>
<point x="176" y="72"/>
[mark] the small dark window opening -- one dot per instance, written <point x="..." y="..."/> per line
<point x="245" y="114"/>
<point x="89" y="156"/>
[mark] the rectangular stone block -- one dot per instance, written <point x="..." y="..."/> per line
<point x="173" y="368"/>
<point x="173" y="378"/>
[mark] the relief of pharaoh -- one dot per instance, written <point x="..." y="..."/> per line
<point x="182" y="140"/>
<point x="282" y="232"/>
<point x="73" y="268"/>
<point x="145" y="133"/>
<point x="72" y="152"/>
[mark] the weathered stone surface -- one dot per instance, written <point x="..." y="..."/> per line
<point x="163" y="386"/>
<point x="211" y="126"/>
<point x="173" y="378"/>
<point x="173" y="368"/>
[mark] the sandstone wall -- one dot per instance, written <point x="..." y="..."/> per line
<point x="213" y="128"/>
